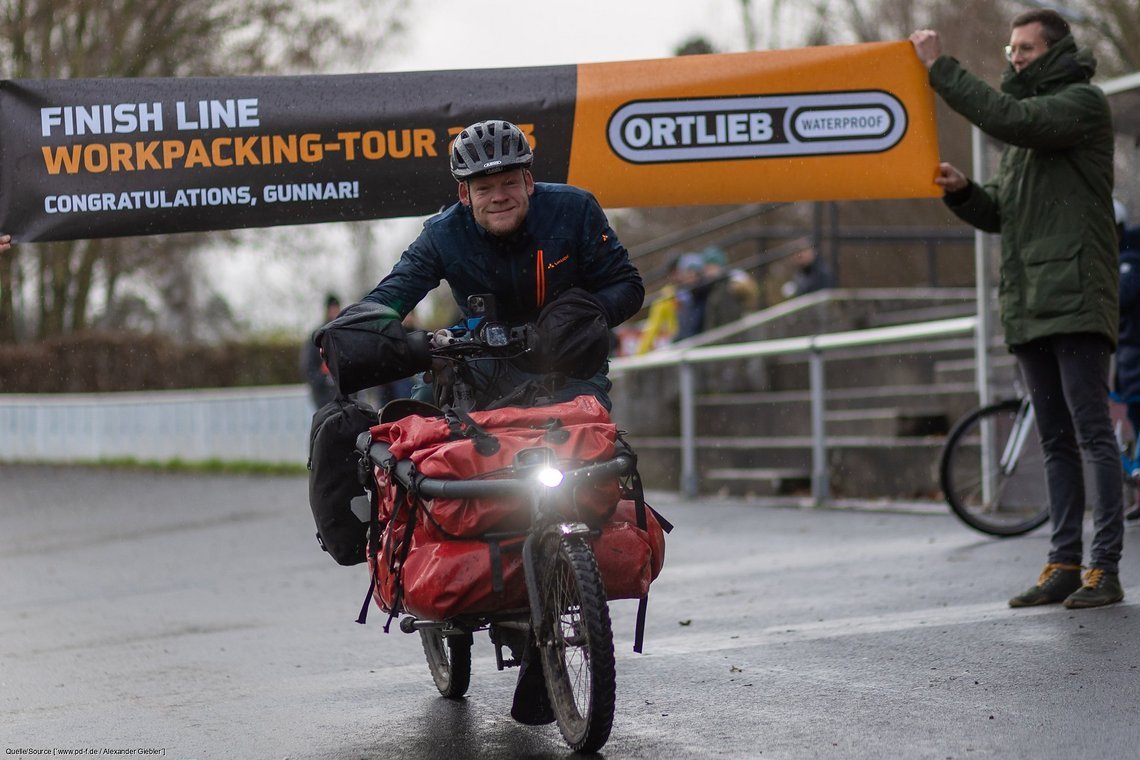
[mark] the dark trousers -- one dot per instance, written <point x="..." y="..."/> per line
<point x="1068" y="382"/>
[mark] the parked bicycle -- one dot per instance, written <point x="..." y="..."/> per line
<point x="540" y="582"/>
<point x="992" y="469"/>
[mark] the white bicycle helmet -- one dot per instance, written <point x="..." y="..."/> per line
<point x="489" y="147"/>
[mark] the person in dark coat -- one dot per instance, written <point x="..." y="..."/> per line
<point x="322" y="389"/>
<point x="1051" y="200"/>
<point x="812" y="273"/>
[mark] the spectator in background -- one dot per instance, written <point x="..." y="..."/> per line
<point x="322" y="389"/>
<point x="5" y="242"/>
<point x="692" y="295"/>
<point x="812" y="273"/>
<point x="661" y="323"/>
<point x="1127" y="380"/>
<point x="677" y="312"/>
<point x="732" y="292"/>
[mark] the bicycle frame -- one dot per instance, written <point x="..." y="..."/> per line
<point x="1022" y="426"/>
<point x="563" y="616"/>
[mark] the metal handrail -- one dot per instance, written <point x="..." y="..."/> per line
<point x="685" y="359"/>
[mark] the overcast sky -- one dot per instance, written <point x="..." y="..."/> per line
<point x="457" y="34"/>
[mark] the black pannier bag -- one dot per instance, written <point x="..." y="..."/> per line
<point x="366" y="345"/>
<point x="334" y="485"/>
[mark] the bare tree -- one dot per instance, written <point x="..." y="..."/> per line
<point x="61" y="39"/>
<point x="1112" y="28"/>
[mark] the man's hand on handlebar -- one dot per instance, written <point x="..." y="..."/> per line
<point x="441" y="338"/>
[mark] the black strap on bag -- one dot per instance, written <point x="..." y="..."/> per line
<point x="463" y="426"/>
<point x="411" y="499"/>
<point x="530" y="393"/>
<point x="405" y="498"/>
<point x="643" y="602"/>
<point x="495" y="547"/>
<point x="496" y="566"/>
<point x="374" y="552"/>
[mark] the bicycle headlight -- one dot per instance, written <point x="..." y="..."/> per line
<point x="549" y="477"/>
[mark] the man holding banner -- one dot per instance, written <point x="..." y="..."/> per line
<point x="1051" y="200"/>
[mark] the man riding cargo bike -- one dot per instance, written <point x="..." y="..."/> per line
<point x="503" y="496"/>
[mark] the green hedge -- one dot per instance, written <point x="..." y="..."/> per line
<point x="99" y="362"/>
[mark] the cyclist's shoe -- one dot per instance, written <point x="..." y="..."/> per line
<point x="1054" y="585"/>
<point x="1101" y="587"/>
<point x="1133" y="514"/>
<point x="531" y="704"/>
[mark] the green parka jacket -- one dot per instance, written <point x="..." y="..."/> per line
<point x="1051" y="198"/>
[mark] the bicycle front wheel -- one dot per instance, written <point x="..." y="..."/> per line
<point x="1014" y="501"/>
<point x="576" y="643"/>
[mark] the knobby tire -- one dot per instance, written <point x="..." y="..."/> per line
<point x="576" y="644"/>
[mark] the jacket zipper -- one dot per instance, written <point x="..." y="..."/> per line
<point x="539" y="279"/>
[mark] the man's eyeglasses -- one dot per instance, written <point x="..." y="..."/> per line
<point x="1023" y="49"/>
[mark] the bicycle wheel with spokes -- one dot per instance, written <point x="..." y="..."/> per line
<point x="576" y="643"/>
<point x="449" y="659"/>
<point x="1014" y="501"/>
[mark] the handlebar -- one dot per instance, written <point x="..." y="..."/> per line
<point x="483" y="337"/>
<point x="404" y="471"/>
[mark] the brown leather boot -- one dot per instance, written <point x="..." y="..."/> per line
<point x="1054" y="585"/>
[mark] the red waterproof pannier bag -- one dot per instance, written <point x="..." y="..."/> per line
<point x="578" y="432"/>
<point x="629" y="558"/>
<point x="439" y="578"/>
<point x="444" y="579"/>
<point x="447" y="570"/>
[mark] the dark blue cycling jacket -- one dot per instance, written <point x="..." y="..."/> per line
<point x="565" y="242"/>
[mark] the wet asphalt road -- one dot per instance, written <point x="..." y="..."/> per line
<point x="193" y="617"/>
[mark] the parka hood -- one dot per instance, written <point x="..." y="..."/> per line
<point x="1064" y="63"/>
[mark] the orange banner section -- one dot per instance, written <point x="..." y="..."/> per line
<point x="823" y="123"/>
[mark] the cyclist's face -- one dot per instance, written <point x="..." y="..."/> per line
<point x="499" y="201"/>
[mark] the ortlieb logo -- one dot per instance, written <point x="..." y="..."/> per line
<point x="757" y="126"/>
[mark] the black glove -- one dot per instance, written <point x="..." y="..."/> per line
<point x="366" y="345"/>
<point x="573" y="335"/>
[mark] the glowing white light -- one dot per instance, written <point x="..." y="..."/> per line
<point x="549" y="477"/>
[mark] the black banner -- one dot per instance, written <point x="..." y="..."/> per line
<point x="111" y="157"/>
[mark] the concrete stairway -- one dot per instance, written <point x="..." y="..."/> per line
<point x="887" y="408"/>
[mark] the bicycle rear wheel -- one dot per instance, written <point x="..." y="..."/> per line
<point x="576" y="643"/>
<point x="1017" y="501"/>
<point x="449" y="659"/>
